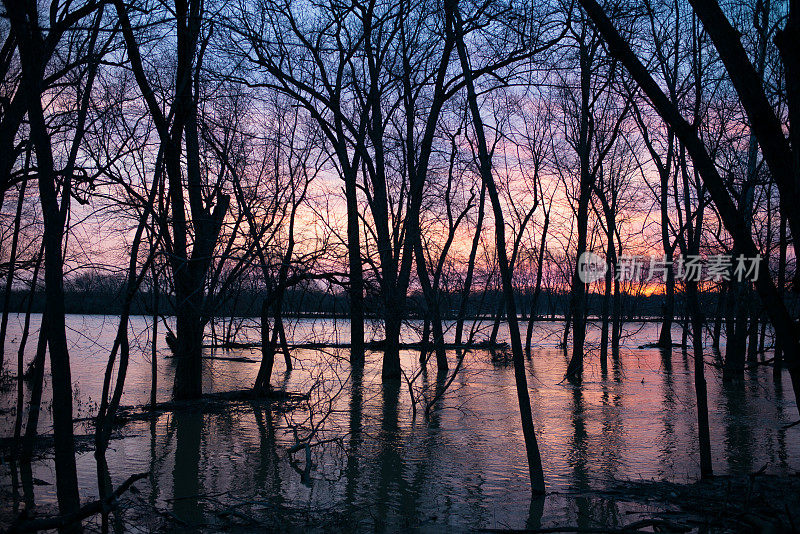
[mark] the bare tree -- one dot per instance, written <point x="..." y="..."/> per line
<point x="532" y="448"/>
<point x="178" y="133"/>
<point x="766" y="128"/>
<point x="36" y="47"/>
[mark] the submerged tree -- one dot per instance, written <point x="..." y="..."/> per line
<point x="765" y="125"/>
<point x="456" y="26"/>
<point x="192" y="239"/>
<point x="76" y="41"/>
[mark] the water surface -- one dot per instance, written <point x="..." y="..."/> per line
<point x="378" y="464"/>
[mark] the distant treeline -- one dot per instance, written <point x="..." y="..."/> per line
<point x="314" y="302"/>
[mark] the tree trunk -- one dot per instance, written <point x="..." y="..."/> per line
<point x="717" y="334"/>
<point x="189" y="356"/>
<point x="606" y="302"/>
<point x="54" y="327"/>
<point x="425" y="339"/>
<point x="462" y="309"/>
<point x="538" y="290"/>
<point x="668" y="311"/>
<point x="782" y="246"/>
<point x="752" y="337"/>
<point x="578" y="294"/>
<point x="531" y="446"/>
<point x="154" y="343"/>
<point x="567" y="325"/>
<point x="10" y="276"/>
<point x="736" y="334"/>
<point x="356" y="275"/>
<point x="706" y="470"/>
<point x="496" y="318"/>
<point x="393" y="321"/>
<point x="432" y="309"/>
<point x="268" y="341"/>
<point x="36" y="385"/>
<point x="38" y="376"/>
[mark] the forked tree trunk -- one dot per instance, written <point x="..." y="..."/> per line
<point x="177" y="129"/>
<point x="433" y="317"/>
<point x="32" y="52"/>
<point x="538" y="289"/>
<point x="465" y="291"/>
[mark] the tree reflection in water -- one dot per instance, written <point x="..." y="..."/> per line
<point x="382" y="468"/>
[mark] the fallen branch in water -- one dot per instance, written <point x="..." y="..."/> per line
<point x="85" y="511"/>
<point x="370" y="345"/>
<point x="283" y="400"/>
<point x="222" y="397"/>
<point x="232" y="359"/>
<point x="660" y="346"/>
<point x="232" y="396"/>
<point x="656" y="524"/>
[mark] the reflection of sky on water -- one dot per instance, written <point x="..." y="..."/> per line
<point x="464" y="466"/>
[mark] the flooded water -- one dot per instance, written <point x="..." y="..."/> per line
<point x="379" y="463"/>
